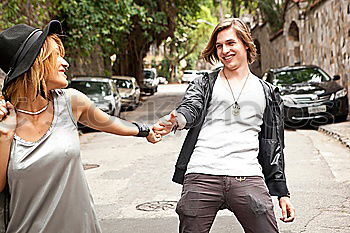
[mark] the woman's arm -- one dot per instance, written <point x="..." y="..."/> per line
<point x="8" y="124"/>
<point x="88" y="114"/>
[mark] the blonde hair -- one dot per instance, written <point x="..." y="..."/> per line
<point x="210" y="55"/>
<point x="32" y="83"/>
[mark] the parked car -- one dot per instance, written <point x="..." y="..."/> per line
<point x="101" y="90"/>
<point x="190" y="75"/>
<point x="150" y="81"/>
<point x="129" y="91"/>
<point x="309" y="94"/>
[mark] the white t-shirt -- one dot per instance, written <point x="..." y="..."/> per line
<point x="228" y="144"/>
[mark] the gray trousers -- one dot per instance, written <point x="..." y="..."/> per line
<point x="204" y="195"/>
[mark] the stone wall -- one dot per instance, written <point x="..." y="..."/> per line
<point x="271" y="49"/>
<point x="327" y="44"/>
<point x="318" y="35"/>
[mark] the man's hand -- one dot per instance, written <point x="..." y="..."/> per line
<point x="8" y="120"/>
<point x="288" y="211"/>
<point x="154" y="137"/>
<point x="165" y="124"/>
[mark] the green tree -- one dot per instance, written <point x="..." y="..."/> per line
<point x="189" y="40"/>
<point x="238" y="7"/>
<point x="95" y="30"/>
<point x="273" y="12"/>
<point x="35" y="12"/>
<point x="151" y="22"/>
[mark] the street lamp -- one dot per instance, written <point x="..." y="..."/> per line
<point x="205" y="21"/>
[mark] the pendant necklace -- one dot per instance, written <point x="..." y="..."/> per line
<point x="235" y="108"/>
<point x="33" y="113"/>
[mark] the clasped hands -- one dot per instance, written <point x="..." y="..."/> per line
<point x="163" y="127"/>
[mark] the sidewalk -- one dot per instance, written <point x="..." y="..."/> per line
<point x="340" y="131"/>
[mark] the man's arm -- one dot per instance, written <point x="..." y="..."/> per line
<point x="287" y="208"/>
<point x="192" y="103"/>
<point x="187" y="113"/>
<point x="288" y="211"/>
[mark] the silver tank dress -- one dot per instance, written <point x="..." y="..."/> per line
<point x="49" y="191"/>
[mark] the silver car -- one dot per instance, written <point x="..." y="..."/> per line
<point x="102" y="91"/>
<point x="129" y="91"/>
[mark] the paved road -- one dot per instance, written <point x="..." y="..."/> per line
<point x="133" y="191"/>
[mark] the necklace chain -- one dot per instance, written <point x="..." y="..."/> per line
<point x="236" y="101"/>
<point x="236" y="107"/>
<point x="33" y="113"/>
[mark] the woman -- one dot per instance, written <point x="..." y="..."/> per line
<point x="39" y="142"/>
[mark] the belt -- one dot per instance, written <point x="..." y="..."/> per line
<point x="240" y="178"/>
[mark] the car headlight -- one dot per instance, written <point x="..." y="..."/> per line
<point x="287" y="100"/>
<point x="340" y="93"/>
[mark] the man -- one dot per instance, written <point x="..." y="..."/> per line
<point x="232" y="156"/>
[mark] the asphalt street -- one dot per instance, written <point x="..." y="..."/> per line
<point x="133" y="191"/>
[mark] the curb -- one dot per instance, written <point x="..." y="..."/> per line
<point x="344" y="140"/>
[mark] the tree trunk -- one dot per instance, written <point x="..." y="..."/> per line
<point x="130" y="62"/>
<point x="233" y="8"/>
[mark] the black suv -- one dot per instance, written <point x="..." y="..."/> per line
<point x="309" y="94"/>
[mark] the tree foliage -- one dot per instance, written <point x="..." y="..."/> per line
<point x="34" y="12"/>
<point x="238" y="7"/>
<point x="189" y="40"/>
<point x="273" y="12"/>
<point x="152" y="22"/>
<point x="98" y="29"/>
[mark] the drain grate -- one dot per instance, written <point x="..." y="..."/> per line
<point x="157" y="206"/>
<point x="88" y="166"/>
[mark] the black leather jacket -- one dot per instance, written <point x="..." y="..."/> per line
<point x="194" y="107"/>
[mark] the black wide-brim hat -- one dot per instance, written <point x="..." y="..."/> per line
<point x="20" y="45"/>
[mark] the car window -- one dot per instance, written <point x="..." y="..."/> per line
<point x="305" y="75"/>
<point x="148" y="74"/>
<point x="92" y="88"/>
<point x="124" y="83"/>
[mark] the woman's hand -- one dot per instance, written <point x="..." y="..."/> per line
<point x="154" y="137"/>
<point x="8" y="120"/>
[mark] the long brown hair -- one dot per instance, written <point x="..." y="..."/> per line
<point x="32" y="83"/>
<point x="243" y="33"/>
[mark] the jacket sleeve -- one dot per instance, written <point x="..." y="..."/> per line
<point x="280" y="119"/>
<point x="271" y="156"/>
<point x="192" y="103"/>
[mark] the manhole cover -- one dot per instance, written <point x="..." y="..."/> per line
<point x="90" y="166"/>
<point x="157" y="206"/>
